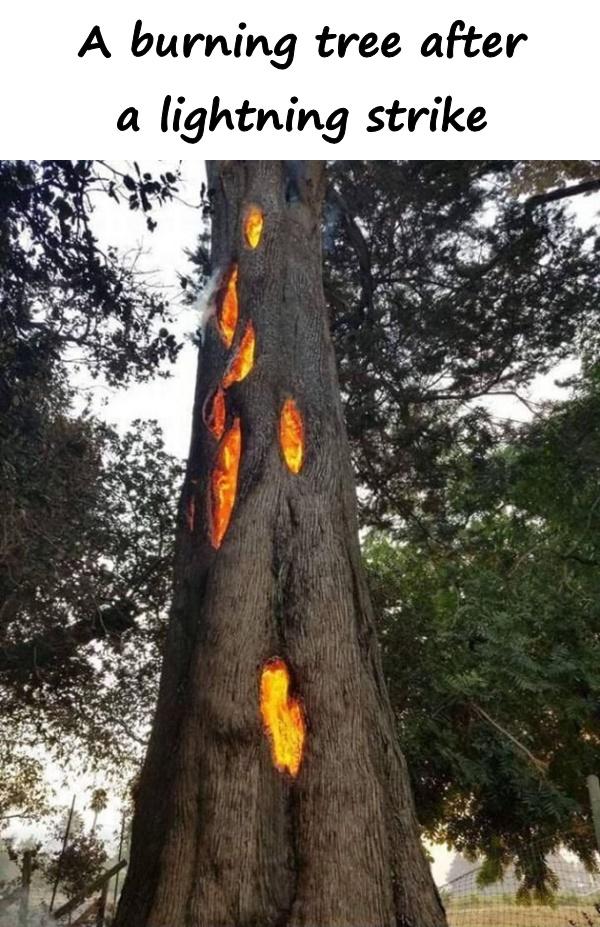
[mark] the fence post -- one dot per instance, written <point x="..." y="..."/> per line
<point x="25" y="887"/>
<point x="116" y="895"/>
<point x="102" y="905"/>
<point x="62" y="854"/>
<point x="594" y="790"/>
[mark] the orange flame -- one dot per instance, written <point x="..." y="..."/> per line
<point x="282" y="717"/>
<point x="243" y="362"/>
<point x="223" y="482"/>
<point x="291" y="435"/>
<point x="254" y="221"/>
<point x="228" y="311"/>
<point x="215" y="420"/>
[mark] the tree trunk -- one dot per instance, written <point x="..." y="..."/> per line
<point x="221" y="837"/>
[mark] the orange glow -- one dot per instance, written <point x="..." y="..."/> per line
<point x="228" y="311"/>
<point x="215" y="420"/>
<point x="291" y="435"/>
<point x="190" y="513"/>
<point x="253" y="225"/>
<point x="243" y="362"/>
<point x="223" y="482"/>
<point x="282" y="717"/>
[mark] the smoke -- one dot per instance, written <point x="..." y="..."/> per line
<point x="206" y="304"/>
<point x="296" y="176"/>
<point x="332" y="217"/>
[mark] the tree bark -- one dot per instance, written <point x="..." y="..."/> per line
<point x="221" y="838"/>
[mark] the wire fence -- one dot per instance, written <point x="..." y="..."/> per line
<point x="574" y="900"/>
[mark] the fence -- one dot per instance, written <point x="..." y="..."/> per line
<point x="26" y="905"/>
<point x="573" y="902"/>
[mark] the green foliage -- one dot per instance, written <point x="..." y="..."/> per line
<point x="444" y="289"/>
<point x="86" y="514"/>
<point x="539" y="176"/>
<point x="83" y="859"/>
<point x="59" y="289"/>
<point x="23" y="791"/>
<point x="492" y="651"/>
<point x="84" y="615"/>
<point x="99" y="800"/>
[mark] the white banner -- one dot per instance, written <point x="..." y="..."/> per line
<point x="356" y="80"/>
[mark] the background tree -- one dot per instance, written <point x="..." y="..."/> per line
<point x="59" y="288"/>
<point x="444" y="291"/>
<point x="86" y="583"/>
<point x="82" y="859"/>
<point x="502" y="625"/>
<point x="547" y="181"/>
<point x="86" y="515"/>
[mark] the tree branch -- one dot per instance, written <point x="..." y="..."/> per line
<point x="360" y="248"/>
<point x="60" y="642"/>
<point x="576" y="189"/>
<point x="540" y="765"/>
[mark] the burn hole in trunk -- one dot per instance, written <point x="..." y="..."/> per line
<point x="282" y="717"/>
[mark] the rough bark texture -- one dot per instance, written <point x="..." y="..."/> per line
<point x="221" y="838"/>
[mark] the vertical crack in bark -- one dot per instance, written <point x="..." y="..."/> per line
<point x="190" y="512"/>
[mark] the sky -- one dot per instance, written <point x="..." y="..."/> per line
<point x="169" y="401"/>
<point x="163" y="258"/>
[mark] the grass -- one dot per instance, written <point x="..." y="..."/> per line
<point x="502" y="911"/>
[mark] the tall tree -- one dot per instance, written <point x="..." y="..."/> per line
<point x="307" y="817"/>
<point x="85" y="515"/>
<point x="60" y="289"/>
<point x="498" y="710"/>
<point x="444" y="290"/>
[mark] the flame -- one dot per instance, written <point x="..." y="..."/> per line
<point x="243" y="362"/>
<point x="228" y="310"/>
<point x="291" y="435"/>
<point x="254" y="221"/>
<point x="215" y="421"/>
<point x="282" y="717"/>
<point x="223" y="483"/>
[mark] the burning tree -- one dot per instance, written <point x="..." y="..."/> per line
<point x="274" y="791"/>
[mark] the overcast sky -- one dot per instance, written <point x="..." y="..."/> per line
<point x="163" y="258"/>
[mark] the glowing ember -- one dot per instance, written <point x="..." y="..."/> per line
<point x="223" y="483"/>
<point x="243" y="362"/>
<point x="228" y="311"/>
<point x="215" y="421"/>
<point x="282" y="717"/>
<point x="291" y="435"/>
<point x="190" y="513"/>
<point x="253" y="225"/>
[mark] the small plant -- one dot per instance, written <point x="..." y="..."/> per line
<point x="585" y="919"/>
<point x="83" y="859"/>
